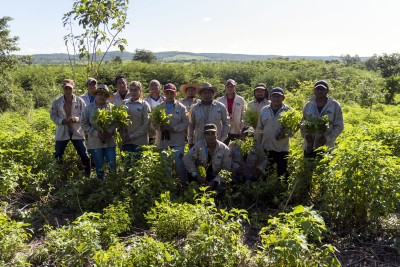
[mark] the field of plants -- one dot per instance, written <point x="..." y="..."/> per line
<point x="341" y="210"/>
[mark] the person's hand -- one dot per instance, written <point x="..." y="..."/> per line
<point x="201" y="180"/>
<point x="65" y="122"/>
<point x="107" y="135"/>
<point x="282" y="135"/>
<point x="322" y="141"/>
<point x="309" y="138"/>
<point x="72" y="119"/>
<point x="211" y="185"/>
<point x="101" y="136"/>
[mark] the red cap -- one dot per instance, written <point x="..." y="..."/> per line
<point x="170" y="87"/>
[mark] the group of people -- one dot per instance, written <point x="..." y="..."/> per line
<point x="207" y="125"/>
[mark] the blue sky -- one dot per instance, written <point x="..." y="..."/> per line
<point x="284" y="27"/>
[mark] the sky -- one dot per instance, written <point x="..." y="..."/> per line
<point x="262" y="27"/>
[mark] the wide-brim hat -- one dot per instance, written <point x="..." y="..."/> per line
<point x="102" y="89"/>
<point x="185" y="86"/>
<point x="206" y="85"/>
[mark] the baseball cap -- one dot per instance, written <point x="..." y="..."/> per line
<point x="321" y="83"/>
<point x="170" y="87"/>
<point x="90" y="80"/>
<point x="232" y="81"/>
<point x="210" y="127"/>
<point x="277" y="90"/>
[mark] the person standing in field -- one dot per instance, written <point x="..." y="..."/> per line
<point x="136" y="134"/>
<point x="275" y="145"/>
<point x="261" y="98"/>
<point x="172" y="135"/>
<point x="207" y="111"/>
<point x="155" y="98"/>
<point x="89" y="96"/>
<point x="236" y="106"/>
<point x="189" y="91"/>
<point x="122" y="90"/>
<point x="317" y="107"/>
<point x="101" y="143"/>
<point x="212" y="156"/>
<point x="65" y="113"/>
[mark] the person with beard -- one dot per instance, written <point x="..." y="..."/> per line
<point x="261" y="98"/>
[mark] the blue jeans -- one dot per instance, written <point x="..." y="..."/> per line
<point x="180" y="166"/>
<point x="80" y="149"/>
<point x="110" y="156"/>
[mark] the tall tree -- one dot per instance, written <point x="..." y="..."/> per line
<point x="8" y="45"/>
<point x="101" y="21"/>
<point x="144" y="56"/>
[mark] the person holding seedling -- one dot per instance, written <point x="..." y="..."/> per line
<point x="170" y="133"/>
<point x="207" y="158"/>
<point x="100" y="129"/>
<point x="236" y="105"/>
<point x="269" y="132"/>
<point x="135" y="134"/>
<point x="65" y="113"/>
<point x="207" y="111"/>
<point x="322" y="120"/>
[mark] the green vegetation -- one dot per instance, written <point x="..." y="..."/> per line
<point x="54" y="215"/>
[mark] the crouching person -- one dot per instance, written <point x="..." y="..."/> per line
<point x="211" y="156"/>
<point x="100" y="143"/>
<point x="248" y="164"/>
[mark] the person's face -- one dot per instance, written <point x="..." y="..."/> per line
<point x="91" y="87"/>
<point x="169" y="95"/>
<point x="135" y="92"/>
<point x="154" y="89"/>
<point x="101" y="98"/>
<point x="207" y="95"/>
<point x="259" y="94"/>
<point x="211" y="138"/>
<point x="320" y="92"/>
<point x="122" y="86"/>
<point x="191" y="92"/>
<point x="277" y="100"/>
<point x="230" y="88"/>
<point x="68" y="90"/>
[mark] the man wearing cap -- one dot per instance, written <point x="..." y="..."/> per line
<point x="189" y="91"/>
<point x="207" y="111"/>
<point x="155" y="98"/>
<point x="122" y="90"/>
<point x="235" y="105"/>
<point x="100" y="143"/>
<point x="318" y="106"/>
<point x="210" y="154"/>
<point x="268" y="130"/>
<point x="172" y="135"/>
<point x="89" y="96"/>
<point x="246" y="166"/>
<point x="260" y="98"/>
<point x="65" y="112"/>
<point x="135" y="134"/>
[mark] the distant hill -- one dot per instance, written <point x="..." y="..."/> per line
<point x="176" y="56"/>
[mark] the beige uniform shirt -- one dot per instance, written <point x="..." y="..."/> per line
<point x="198" y="156"/>
<point x="201" y="115"/>
<point x="238" y="108"/>
<point x="335" y="118"/>
<point x="179" y="122"/>
<point x="91" y="129"/>
<point x="268" y="127"/>
<point x="188" y="103"/>
<point x="256" y="158"/>
<point x="57" y="115"/>
<point x="254" y="104"/>
<point x="117" y="100"/>
<point x="139" y="115"/>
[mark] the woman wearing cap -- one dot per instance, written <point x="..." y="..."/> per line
<point x="101" y="144"/>
<point x="207" y="111"/>
<point x="136" y="134"/>
<point x="318" y="106"/>
<point x="277" y="148"/>
<point x="172" y="135"/>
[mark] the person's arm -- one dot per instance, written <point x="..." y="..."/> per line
<point x="54" y="116"/>
<point x="338" y="124"/>
<point x="189" y="160"/>
<point x="85" y="123"/>
<point x="225" y="123"/>
<point x="192" y="125"/>
<point x="181" y="127"/>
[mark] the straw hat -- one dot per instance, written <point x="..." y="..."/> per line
<point x="102" y="89"/>
<point x="185" y="86"/>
